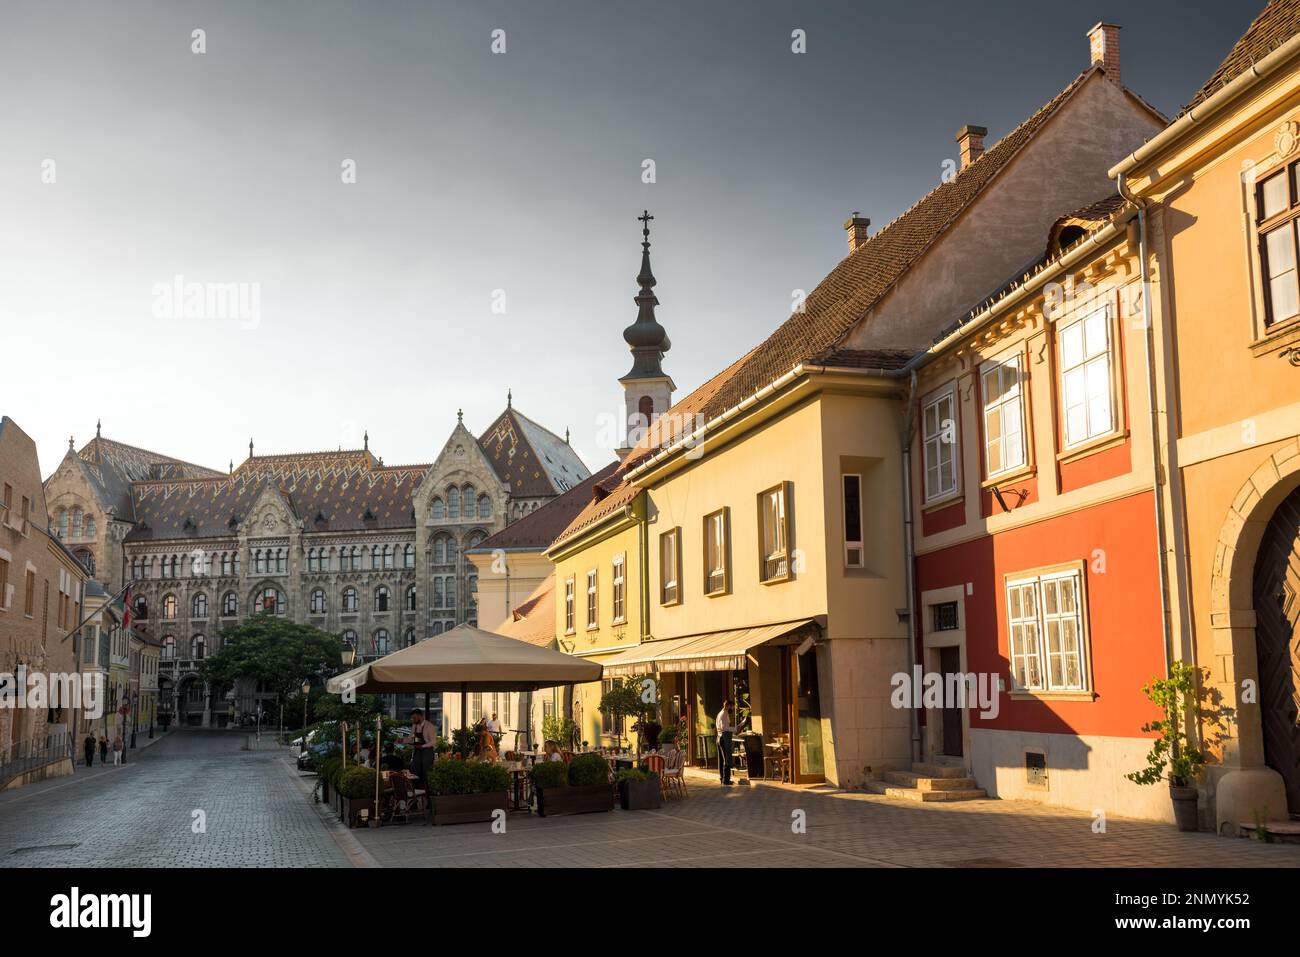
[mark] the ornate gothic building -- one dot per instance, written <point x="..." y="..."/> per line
<point x="372" y="552"/>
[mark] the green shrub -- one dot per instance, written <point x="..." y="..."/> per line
<point x="329" y="770"/>
<point x="551" y="774"/>
<point x="630" y="774"/>
<point x="588" y="769"/>
<point x="467" y="777"/>
<point x="489" y="778"/>
<point x="358" y="782"/>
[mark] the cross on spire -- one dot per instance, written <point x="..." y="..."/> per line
<point x="644" y="220"/>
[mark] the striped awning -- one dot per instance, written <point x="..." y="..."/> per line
<point x="712" y="651"/>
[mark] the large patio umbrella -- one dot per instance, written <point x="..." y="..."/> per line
<point x="466" y="659"/>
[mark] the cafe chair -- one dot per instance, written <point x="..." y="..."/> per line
<point x="656" y="764"/>
<point x="566" y="757"/>
<point x="402" y="799"/>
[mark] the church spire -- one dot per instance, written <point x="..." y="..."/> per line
<point x="646" y="338"/>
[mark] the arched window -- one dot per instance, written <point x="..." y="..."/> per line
<point x="438" y="510"/>
<point x="311" y="560"/>
<point x="230" y="605"/>
<point x="281" y="560"/>
<point x="438" y="595"/>
<point x="140" y="608"/>
<point x="437" y="628"/>
<point x="350" y="637"/>
<point x="196" y="647"/>
<point x="199" y="606"/>
<point x="484" y="507"/>
<point x="379" y="641"/>
<point x="453" y="502"/>
<point x="349" y="599"/>
<point x="227" y="564"/>
<point x="236" y="564"/>
<point x="76" y="522"/>
<point x="645" y="408"/>
<point x="408" y="638"/>
<point x="440" y="550"/>
<point x="468" y="498"/>
<point x="271" y="601"/>
<point x="63" y="523"/>
<point x="408" y="556"/>
<point x="381" y="598"/>
<point x="169" y="648"/>
<point x="389" y="552"/>
<point x="450" y="586"/>
<point x="318" y="601"/>
<point x="411" y="594"/>
<point x="175" y="565"/>
<point x="90" y="527"/>
<point x="169" y="608"/>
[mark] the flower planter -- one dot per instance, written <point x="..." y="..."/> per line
<point x="589" y="798"/>
<point x="467" y="808"/>
<point x="1185" y="815"/>
<point x="352" y="808"/>
<point x="639" y="795"/>
<point x="324" y="791"/>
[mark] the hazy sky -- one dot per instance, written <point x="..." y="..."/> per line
<point x="475" y="172"/>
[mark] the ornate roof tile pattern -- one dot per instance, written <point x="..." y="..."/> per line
<point x="113" y="466"/>
<point x="538" y="529"/>
<point x="531" y="460"/>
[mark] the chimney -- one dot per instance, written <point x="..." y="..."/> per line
<point x="970" y="139"/>
<point x="857" y="227"/>
<point x="1103" y="46"/>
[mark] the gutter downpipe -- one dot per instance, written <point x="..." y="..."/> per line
<point x="909" y="551"/>
<point x="1157" y="465"/>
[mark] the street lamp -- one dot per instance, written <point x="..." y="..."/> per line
<point x="349" y="655"/>
<point x="306" y="689"/>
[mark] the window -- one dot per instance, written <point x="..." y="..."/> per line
<point x="484" y="507"/>
<point x="1004" y="416"/>
<point x="439" y="599"/>
<point x="380" y="642"/>
<point x="774" y="534"/>
<point x="453" y="503"/>
<point x="318" y="601"/>
<point x="350" y="637"/>
<point x="618" y="601"/>
<point x="381" y="598"/>
<point x="670" y="567"/>
<point x="411" y="598"/>
<point x="63" y="523"/>
<point x="271" y="600"/>
<point x="408" y="638"/>
<point x="1277" y="212"/>
<point x="196" y="647"/>
<point x="1085" y="377"/>
<point x="943" y="616"/>
<point x="199" y="606"/>
<point x="4" y="584"/>
<point x="854" y="552"/>
<point x="230" y="605"/>
<point x="568" y="606"/>
<point x="227" y="565"/>
<point x="438" y="511"/>
<point x="140" y="608"/>
<point x="349" y="599"/>
<point x="609" y="724"/>
<point x="408" y="556"/>
<point x="716" y="553"/>
<point x="939" y="422"/>
<point x="169" y="648"/>
<point x="1046" y="632"/>
<point x="281" y="560"/>
<point x="591" y="599"/>
<point x="169" y="608"/>
<point x="76" y="522"/>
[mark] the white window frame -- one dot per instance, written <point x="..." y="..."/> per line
<point x="675" y="580"/>
<point x="593" y="599"/>
<point x="717" y="534"/>
<point x="932" y="441"/>
<point x="1048" y="628"/>
<point x="1084" y="370"/>
<point x="569" y="620"/>
<point x="1007" y="404"/>
<point x="850" y="544"/>
<point x="618" y="578"/>
<point x="775" y="561"/>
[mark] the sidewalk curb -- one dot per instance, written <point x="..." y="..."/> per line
<point x="356" y="854"/>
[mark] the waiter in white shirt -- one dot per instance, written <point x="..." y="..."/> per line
<point x="725" y="729"/>
<point x="424" y="741"/>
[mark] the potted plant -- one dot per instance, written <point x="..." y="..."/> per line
<point x="357" y="789"/>
<point x="668" y="736"/>
<point x="465" y="791"/>
<point x="578" y="788"/>
<point x="638" y="790"/>
<point x="1172" y="756"/>
<point x="634" y="697"/>
<point x="329" y="769"/>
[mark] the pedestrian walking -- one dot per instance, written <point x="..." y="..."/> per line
<point x="118" y="747"/>
<point x="89" y="745"/>
<point x="103" y="750"/>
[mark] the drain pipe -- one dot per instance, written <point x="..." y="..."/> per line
<point x="909" y="551"/>
<point x="1157" y="466"/>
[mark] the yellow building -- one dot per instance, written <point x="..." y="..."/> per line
<point x="1218" y="189"/>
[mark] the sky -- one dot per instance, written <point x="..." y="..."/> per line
<point x="409" y="222"/>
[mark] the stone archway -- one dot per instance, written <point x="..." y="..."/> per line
<point x="1249" y="787"/>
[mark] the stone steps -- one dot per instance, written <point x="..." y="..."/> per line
<point x="928" y="782"/>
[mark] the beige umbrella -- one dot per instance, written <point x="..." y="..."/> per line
<point x="463" y="659"/>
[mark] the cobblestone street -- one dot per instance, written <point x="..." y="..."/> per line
<point x="142" y="814"/>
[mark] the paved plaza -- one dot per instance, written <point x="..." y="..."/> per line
<point x="257" y="812"/>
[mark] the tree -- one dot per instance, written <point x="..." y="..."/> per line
<point x="633" y="697"/>
<point x="276" y="653"/>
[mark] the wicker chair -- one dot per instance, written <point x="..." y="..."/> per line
<point x="656" y="764"/>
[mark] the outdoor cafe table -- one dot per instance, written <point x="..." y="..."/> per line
<point x="518" y="785"/>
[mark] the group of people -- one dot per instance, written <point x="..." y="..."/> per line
<point x="90" y="745"/>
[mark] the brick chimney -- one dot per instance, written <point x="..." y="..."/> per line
<point x="970" y="139"/>
<point x="1103" y="47"/>
<point x="857" y="227"/>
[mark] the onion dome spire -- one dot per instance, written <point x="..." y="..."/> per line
<point x="646" y="338"/>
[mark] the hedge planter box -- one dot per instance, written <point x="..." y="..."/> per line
<point x="467" y="808"/>
<point x="352" y="808"/>
<point x="575" y="800"/>
<point x="324" y="791"/>
<point x="639" y="795"/>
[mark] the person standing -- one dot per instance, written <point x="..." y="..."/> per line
<point x="725" y="729"/>
<point x="494" y="728"/>
<point x="118" y="746"/>
<point x="89" y="745"/>
<point x="423" y="741"/>
<point x="103" y="750"/>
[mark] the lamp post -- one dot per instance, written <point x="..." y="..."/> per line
<point x="306" y="689"/>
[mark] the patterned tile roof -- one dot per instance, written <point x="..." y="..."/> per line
<point x="538" y="529"/>
<point x="113" y="466"/>
<point x="1276" y="23"/>
<point x="531" y="460"/>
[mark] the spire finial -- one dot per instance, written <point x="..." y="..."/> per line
<point x="232" y="466"/>
<point x="646" y="337"/>
<point x="645" y="219"/>
<point x="99" y="423"/>
<point x="460" y="416"/>
<point x="510" y="398"/>
<point x="250" y="447"/>
<point x="71" y="444"/>
<point x="366" y="439"/>
<point x="566" y="435"/>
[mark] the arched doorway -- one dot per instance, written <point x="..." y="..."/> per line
<point x="1277" y="643"/>
<point x="191" y="702"/>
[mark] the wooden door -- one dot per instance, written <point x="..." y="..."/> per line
<point x="950" y="664"/>
<point x="1277" y="643"/>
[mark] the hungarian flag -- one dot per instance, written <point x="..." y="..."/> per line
<point x="122" y="607"/>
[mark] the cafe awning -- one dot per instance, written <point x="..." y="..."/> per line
<point x="712" y="651"/>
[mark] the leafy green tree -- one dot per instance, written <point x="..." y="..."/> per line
<point x="276" y="653"/>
